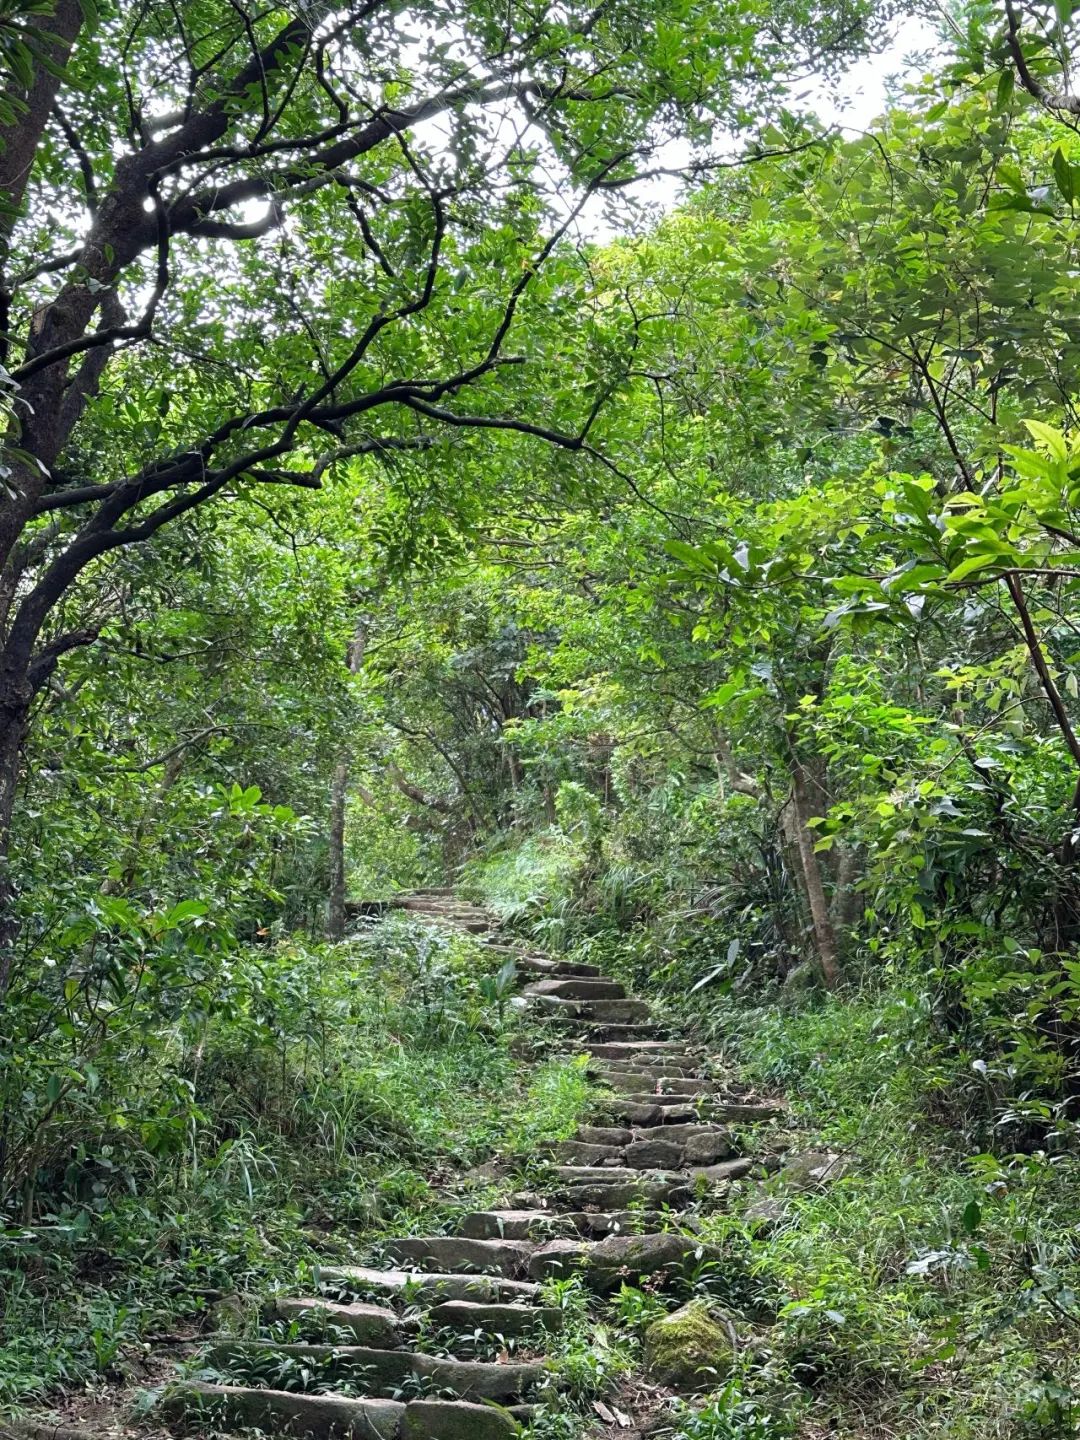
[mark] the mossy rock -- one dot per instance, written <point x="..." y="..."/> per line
<point x="688" y="1350"/>
<point x="801" y="980"/>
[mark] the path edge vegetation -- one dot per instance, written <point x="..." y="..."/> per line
<point x="703" y="598"/>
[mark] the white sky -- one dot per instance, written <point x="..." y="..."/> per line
<point x="853" y="102"/>
<point x="863" y="91"/>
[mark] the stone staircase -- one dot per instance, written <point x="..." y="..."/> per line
<point x="610" y="1211"/>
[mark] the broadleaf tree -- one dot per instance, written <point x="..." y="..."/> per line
<point x="241" y="245"/>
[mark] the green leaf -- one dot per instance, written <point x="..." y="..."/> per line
<point x="727" y="692"/>
<point x="1053" y="439"/>
<point x="1063" y="175"/>
<point x="969" y="566"/>
<point x="185" y="910"/>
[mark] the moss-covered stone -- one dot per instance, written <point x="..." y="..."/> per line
<point x="688" y="1350"/>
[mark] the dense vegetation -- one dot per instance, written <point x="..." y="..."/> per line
<point x="393" y="496"/>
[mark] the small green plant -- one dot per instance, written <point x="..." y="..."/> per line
<point x="731" y="1415"/>
<point x="637" y="1309"/>
<point x="497" y="989"/>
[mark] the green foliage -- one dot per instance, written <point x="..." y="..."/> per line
<point x="313" y="1088"/>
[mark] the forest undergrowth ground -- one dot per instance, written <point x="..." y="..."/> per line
<point x="927" y="1290"/>
<point x="386" y="1075"/>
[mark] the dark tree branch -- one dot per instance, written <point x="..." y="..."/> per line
<point x="1059" y="100"/>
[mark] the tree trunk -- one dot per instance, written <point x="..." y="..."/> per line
<point x="16" y="697"/>
<point x="339" y="797"/>
<point x="848" y="902"/>
<point x="339" y="794"/>
<point x="824" y="935"/>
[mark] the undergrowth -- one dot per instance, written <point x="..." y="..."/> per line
<point x="385" y="1072"/>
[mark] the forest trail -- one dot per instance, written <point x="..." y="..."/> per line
<point x="458" y="1320"/>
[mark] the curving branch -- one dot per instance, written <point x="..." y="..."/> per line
<point x="1059" y="100"/>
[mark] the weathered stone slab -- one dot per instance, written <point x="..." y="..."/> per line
<point x="426" y="1288"/>
<point x="726" y="1170"/>
<point x="578" y="988"/>
<point x="512" y="1225"/>
<point x="458" y="1253"/>
<point x="653" y="1155"/>
<point x="559" y="1257"/>
<point x="744" y="1112"/>
<point x="604" y="1135"/>
<point x="706" y="1148"/>
<point x="450" y="1420"/>
<point x="652" y="1097"/>
<point x="390" y="1369"/>
<point x="628" y="1257"/>
<point x="608" y="1175"/>
<point x="371" y="1324"/>
<point x="594" y="1224"/>
<point x="501" y="1319"/>
<point x="280" y="1412"/>
<point x="623" y="1049"/>
<point x="645" y="1111"/>
<point x="577" y="1152"/>
<point x="624" y="1196"/>
<point x="813" y="1170"/>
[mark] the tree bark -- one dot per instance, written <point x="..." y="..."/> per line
<point x="20" y="140"/>
<point x="824" y="934"/>
<point x="339" y="797"/>
<point x="14" y="721"/>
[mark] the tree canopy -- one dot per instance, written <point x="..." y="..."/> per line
<point x="396" y="492"/>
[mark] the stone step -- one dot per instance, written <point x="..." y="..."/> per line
<point x="586" y="1033"/>
<point x="444" y="909"/>
<point x="724" y="1171"/>
<point x="705" y="1148"/>
<point x="628" y="1258"/>
<point x="624" y="1194"/>
<point x="606" y="1012"/>
<point x="506" y="1320"/>
<point x="457" y="1253"/>
<point x="388" y="1370"/>
<point x="606" y="1135"/>
<point x="426" y="1288"/>
<point x="649" y="1065"/>
<point x="683" y="1134"/>
<point x="640" y="1092"/>
<point x="576" y="989"/>
<point x="370" y="1324"/>
<point x="669" y="1148"/>
<point x="745" y="1112"/>
<point x="655" y="1077"/>
<point x="630" y="1049"/>
<point x="645" y="1113"/>
<point x="512" y="1225"/>
<point x="640" y="1110"/>
<point x="595" y="1224"/>
<point x="281" y="1412"/>
<point x="654" y="1154"/>
<point x="580" y="1152"/>
<point x="559" y="1258"/>
<point x="614" y="1175"/>
<point x="665" y="1098"/>
<point x="530" y="964"/>
<point x="461" y="1420"/>
<point x="320" y="1417"/>
<point x="607" y="1264"/>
